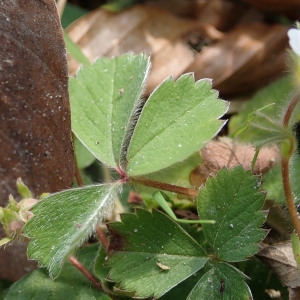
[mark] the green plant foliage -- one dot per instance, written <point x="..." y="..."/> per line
<point x="63" y="221"/>
<point x="75" y="51"/>
<point x="275" y="93"/>
<point x="106" y="105"/>
<point x="71" y="13"/>
<point x="179" y="173"/>
<point x="84" y="157"/>
<point x="179" y="116"/>
<point x="233" y="200"/>
<point x="149" y="260"/>
<point x="221" y="281"/>
<point x="70" y="284"/>
<point x="176" y="121"/>
<point x="104" y="97"/>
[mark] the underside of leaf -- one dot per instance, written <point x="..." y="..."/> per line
<point x="63" y="221"/>
<point x="104" y="98"/>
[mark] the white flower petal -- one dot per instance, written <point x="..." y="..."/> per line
<point x="294" y="36"/>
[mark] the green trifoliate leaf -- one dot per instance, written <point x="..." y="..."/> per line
<point x="71" y="283"/>
<point x="222" y="282"/>
<point x="233" y="200"/>
<point x="150" y="253"/>
<point x="104" y="97"/>
<point x="63" y="221"/>
<point x="177" y="120"/>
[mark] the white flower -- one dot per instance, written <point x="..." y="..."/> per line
<point x="294" y="36"/>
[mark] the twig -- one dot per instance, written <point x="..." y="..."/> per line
<point x="165" y="186"/>
<point x="102" y="237"/>
<point x="86" y="272"/>
<point x="285" y="167"/>
<point x="78" y="175"/>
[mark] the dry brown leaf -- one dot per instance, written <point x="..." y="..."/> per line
<point x="288" y="7"/>
<point x="139" y="29"/>
<point x="35" y="127"/>
<point x="220" y="14"/>
<point x="280" y="258"/>
<point x="246" y="58"/>
<point x="226" y="153"/>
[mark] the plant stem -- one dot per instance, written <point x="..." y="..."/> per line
<point x="288" y="194"/>
<point x="165" y="186"/>
<point x="86" y="272"/>
<point x="285" y="167"/>
<point x="102" y="238"/>
<point x="78" y="175"/>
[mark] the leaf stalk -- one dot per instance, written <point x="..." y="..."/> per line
<point x="285" y="166"/>
<point x="165" y="186"/>
<point x="85" y="272"/>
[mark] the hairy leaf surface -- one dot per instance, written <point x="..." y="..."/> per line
<point x="233" y="199"/>
<point x="150" y="253"/>
<point x="63" y="221"/>
<point x="104" y="97"/>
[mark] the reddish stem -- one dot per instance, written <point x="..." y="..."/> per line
<point x="86" y="272"/>
<point x="102" y="238"/>
<point x="285" y="167"/>
<point x="289" y="110"/>
<point x="78" y="175"/>
<point x="165" y="186"/>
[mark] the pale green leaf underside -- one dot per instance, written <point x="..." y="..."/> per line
<point x="176" y="121"/>
<point x="222" y="281"/>
<point x="70" y="284"/>
<point x="84" y="158"/>
<point x="150" y="253"/>
<point x="63" y="221"/>
<point x="233" y="200"/>
<point x="103" y="99"/>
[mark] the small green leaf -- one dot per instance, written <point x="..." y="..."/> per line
<point x="63" y="221"/>
<point x="104" y="97"/>
<point x="222" y="281"/>
<point x="233" y="200"/>
<point x="176" y="121"/>
<point x="276" y="93"/>
<point x="150" y="253"/>
<point x="70" y="284"/>
<point x="23" y="190"/>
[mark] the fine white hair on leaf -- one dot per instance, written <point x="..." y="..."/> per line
<point x="136" y="111"/>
